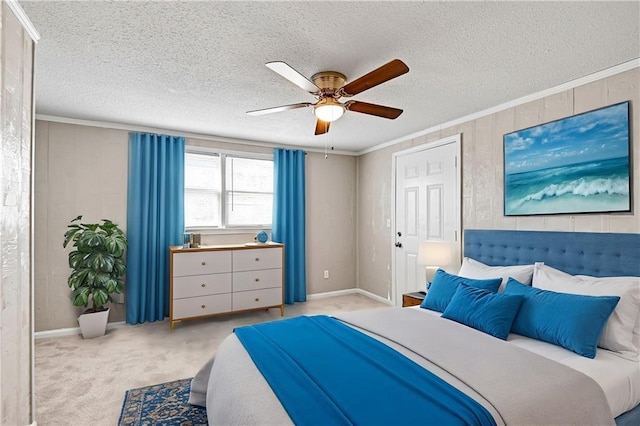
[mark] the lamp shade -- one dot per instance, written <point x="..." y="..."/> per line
<point x="434" y="253"/>
<point x="328" y="110"/>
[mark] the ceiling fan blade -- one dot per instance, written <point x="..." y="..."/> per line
<point x="293" y="76"/>
<point x="279" y="108"/>
<point x="322" y="127"/>
<point x="386" y="72"/>
<point x="373" y="109"/>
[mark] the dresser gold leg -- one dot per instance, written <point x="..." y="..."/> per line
<point x="281" y="310"/>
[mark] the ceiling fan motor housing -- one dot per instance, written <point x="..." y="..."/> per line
<point x="329" y="81"/>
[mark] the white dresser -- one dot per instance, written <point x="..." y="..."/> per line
<point x="214" y="280"/>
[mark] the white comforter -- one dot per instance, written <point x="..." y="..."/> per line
<point x="515" y="385"/>
<point x="618" y="377"/>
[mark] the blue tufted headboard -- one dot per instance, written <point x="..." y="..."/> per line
<point x="577" y="253"/>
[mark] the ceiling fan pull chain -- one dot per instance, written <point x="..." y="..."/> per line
<point x="326" y="146"/>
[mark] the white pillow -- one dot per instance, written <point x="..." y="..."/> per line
<point x="473" y="269"/>
<point x="621" y="333"/>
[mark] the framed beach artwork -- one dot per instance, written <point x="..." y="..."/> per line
<point x="579" y="164"/>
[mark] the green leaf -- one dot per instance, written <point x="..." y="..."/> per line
<point x="111" y="285"/>
<point x="119" y="268"/>
<point x="91" y="239"/>
<point x="100" y="297"/>
<point x="115" y="245"/>
<point x="76" y="259"/>
<point x="70" y="234"/>
<point x="102" y="279"/>
<point x="80" y="296"/>
<point x="78" y="278"/>
<point x="91" y="277"/>
<point x="99" y="261"/>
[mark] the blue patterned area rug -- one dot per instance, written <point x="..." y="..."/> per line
<point x="163" y="404"/>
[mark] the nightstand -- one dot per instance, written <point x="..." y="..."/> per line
<point x="412" y="299"/>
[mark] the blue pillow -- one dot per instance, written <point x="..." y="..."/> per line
<point x="444" y="286"/>
<point x="573" y="321"/>
<point x="492" y="313"/>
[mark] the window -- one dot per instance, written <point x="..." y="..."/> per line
<point x="227" y="190"/>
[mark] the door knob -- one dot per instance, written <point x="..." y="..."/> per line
<point x="399" y="244"/>
<point x="399" y="234"/>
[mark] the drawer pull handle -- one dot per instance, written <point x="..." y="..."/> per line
<point x="257" y="259"/>
<point x="204" y="263"/>
<point x="257" y="279"/>
<point x="203" y="306"/>
<point x="203" y="285"/>
<point x="257" y="299"/>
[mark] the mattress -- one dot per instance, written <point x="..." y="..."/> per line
<point x="619" y="378"/>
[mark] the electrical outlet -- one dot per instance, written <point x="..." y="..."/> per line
<point x="326" y="274"/>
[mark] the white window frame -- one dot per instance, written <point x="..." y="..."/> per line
<point x="224" y="228"/>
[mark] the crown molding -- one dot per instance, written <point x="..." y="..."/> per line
<point x="24" y="19"/>
<point x="132" y="128"/>
<point x="617" y="69"/>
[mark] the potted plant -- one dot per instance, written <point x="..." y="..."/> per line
<point x="98" y="270"/>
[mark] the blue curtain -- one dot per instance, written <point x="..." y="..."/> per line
<point x="155" y="221"/>
<point x="289" y="220"/>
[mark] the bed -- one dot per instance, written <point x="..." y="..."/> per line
<point x="520" y="380"/>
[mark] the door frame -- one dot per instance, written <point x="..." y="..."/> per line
<point x="456" y="139"/>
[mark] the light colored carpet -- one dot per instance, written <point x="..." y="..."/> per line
<point x="82" y="382"/>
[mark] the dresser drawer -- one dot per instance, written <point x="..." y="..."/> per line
<point x="201" y="262"/>
<point x="251" y="260"/>
<point x="254" y="280"/>
<point x="257" y="298"/>
<point x="203" y="305"/>
<point x="201" y="285"/>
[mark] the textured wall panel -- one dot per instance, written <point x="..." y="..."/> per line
<point x="482" y="174"/>
<point x="83" y="170"/>
<point x="331" y="222"/>
<point x="16" y="52"/>
<point x="79" y="171"/>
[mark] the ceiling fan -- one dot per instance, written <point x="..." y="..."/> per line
<point x="329" y="86"/>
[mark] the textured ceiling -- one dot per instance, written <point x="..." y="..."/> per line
<point x="199" y="66"/>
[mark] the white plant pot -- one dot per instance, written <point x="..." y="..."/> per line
<point x="93" y="324"/>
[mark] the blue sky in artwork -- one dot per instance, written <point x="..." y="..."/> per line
<point x="593" y="136"/>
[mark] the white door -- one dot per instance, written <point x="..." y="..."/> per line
<point x="427" y="194"/>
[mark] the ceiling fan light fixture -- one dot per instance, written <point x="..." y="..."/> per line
<point x="328" y="110"/>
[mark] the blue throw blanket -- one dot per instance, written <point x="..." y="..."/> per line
<point x="326" y="373"/>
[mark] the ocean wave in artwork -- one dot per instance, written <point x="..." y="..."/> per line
<point x="582" y="187"/>
<point x="587" y="187"/>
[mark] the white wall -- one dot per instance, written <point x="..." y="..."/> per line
<point x="482" y="175"/>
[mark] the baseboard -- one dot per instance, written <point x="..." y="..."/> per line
<point x="71" y="331"/>
<point x="348" y="291"/>
<point x="332" y="293"/>
<point x="373" y="296"/>
<point x="112" y="325"/>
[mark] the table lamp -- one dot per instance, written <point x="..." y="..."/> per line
<point x="434" y="255"/>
